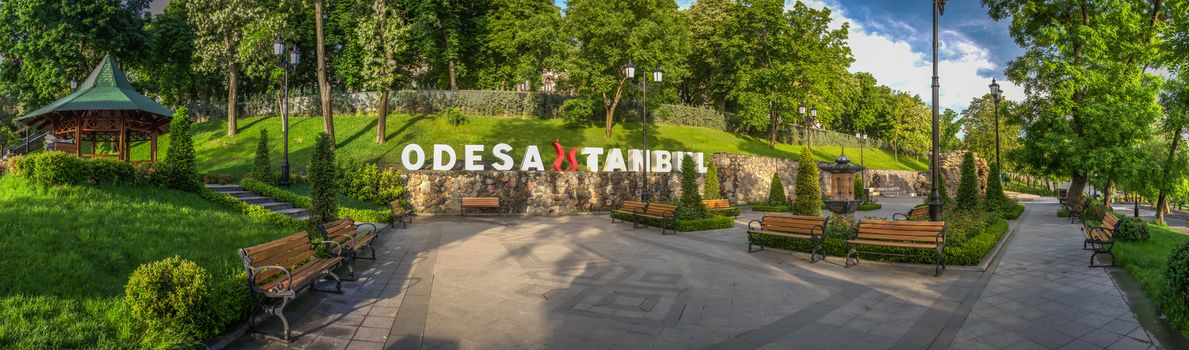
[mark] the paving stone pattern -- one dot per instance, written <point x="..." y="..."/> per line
<point x="581" y="282"/>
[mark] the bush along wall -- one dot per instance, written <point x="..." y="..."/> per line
<point x="264" y="189"/>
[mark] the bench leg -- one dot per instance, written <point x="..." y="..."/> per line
<point x="672" y="227"/>
<point x="277" y="310"/>
<point x="1102" y="250"/>
<point x="818" y="249"/>
<point x="338" y="284"/>
<point x="940" y="263"/>
<point x="750" y="243"/>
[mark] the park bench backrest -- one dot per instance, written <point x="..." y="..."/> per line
<point x="396" y="207"/>
<point x="808" y="225"/>
<point x="658" y="209"/>
<point x="716" y="203"/>
<point x="1109" y="221"/>
<point x="632" y="206"/>
<point x="491" y="202"/>
<point x="902" y="231"/>
<point x="340" y="230"/>
<point x="288" y="252"/>
<point x="917" y="212"/>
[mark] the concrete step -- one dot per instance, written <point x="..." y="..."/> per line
<point x="293" y="212"/>
<point x="241" y="193"/>
<point x="257" y="199"/>
<point x="301" y="217"/>
<point x="224" y="188"/>
<point x="276" y="205"/>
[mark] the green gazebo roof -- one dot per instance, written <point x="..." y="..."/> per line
<point x="106" y="89"/>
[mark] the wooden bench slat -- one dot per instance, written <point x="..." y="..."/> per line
<point x="895" y="237"/>
<point x="902" y="223"/>
<point x="782" y="234"/>
<point x="892" y="244"/>
<point x="907" y="232"/>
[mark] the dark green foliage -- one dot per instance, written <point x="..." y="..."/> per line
<point x="707" y="223"/>
<point x="178" y="170"/>
<point x="263" y="168"/>
<point x="1131" y="229"/>
<point x="367" y="182"/>
<point x="254" y="212"/>
<point x="577" y="110"/>
<point x="454" y="117"/>
<point x="994" y="186"/>
<point x="690" y="206"/>
<point x="1094" y="211"/>
<point x="809" y="190"/>
<point x="725" y="211"/>
<point x="776" y="194"/>
<point x="866" y="206"/>
<point x="1012" y="210"/>
<point x="323" y="185"/>
<point x="1063" y="213"/>
<point x="968" y="186"/>
<point x="771" y="208"/>
<point x="111" y="171"/>
<point x="52" y="168"/>
<point x="171" y="296"/>
<point x="1177" y="273"/>
<point x="712" y="190"/>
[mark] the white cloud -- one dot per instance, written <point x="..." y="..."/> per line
<point x="894" y="63"/>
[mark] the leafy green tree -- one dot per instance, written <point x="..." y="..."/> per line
<point x="263" y="167"/>
<point x="782" y="59"/>
<point x="609" y="33"/>
<point x="178" y="167"/>
<point x="219" y="27"/>
<point x="380" y="35"/>
<point x="808" y="199"/>
<point x="323" y="84"/>
<point x="690" y="206"/>
<point x="323" y="186"/>
<point x="712" y="189"/>
<point x="776" y="194"/>
<point x="968" y="186"/>
<point x="443" y="33"/>
<point x="711" y="72"/>
<point x="523" y="40"/>
<point x="979" y="128"/>
<point x="950" y="124"/>
<point x="1082" y="68"/>
<point x="47" y="43"/>
<point x="170" y="48"/>
<point x="907" y="125"/>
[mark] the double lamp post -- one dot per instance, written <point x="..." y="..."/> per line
<point x="293" y="59"/>
<point x="657" y="77"/>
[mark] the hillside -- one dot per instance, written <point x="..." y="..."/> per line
<point x="219" y="154"/>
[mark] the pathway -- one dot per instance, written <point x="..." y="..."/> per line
<point x="580" y="282"/>
<point x="253" y="198"/>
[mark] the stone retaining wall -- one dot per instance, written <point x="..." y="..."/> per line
<point x="743" y="179"/>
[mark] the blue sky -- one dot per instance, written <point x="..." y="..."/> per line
<point x="892" y="41"/>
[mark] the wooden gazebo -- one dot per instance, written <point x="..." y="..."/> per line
<point x="104" y="109"/>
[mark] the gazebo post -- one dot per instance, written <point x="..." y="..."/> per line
<point x="153" y="147"/>
<point x="78" y="139"/>
<point x="123" y="143"/>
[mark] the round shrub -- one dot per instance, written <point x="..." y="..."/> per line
<point x="1094" y="211"/>
<point x="1177" y="271"/>
<point x="1131" y="229"/>
<point x="58" y="168"/>
<point x="577" y="110"/>
<point x="111" y="171"/>
<point x="170" y="295"/>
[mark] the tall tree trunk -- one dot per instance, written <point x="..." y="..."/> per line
<point x="610" y="103"/>
<point x="1078" y="178"/>
<point x="323" y="85"/>
<point x="771" y="128"/>
<point x="453" y="80"/>
<point x="1162" y="199"/>
<point x="232" y="84"/>
<point x="1108" y="193"/>
<point x="382" y="120"/>
<point x="1077" y="184"/>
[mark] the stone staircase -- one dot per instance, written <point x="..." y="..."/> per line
<point x="256" y="199"/>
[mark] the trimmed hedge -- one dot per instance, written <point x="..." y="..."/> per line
<point x="725" y="211"/>
<point x="1014" y="210"/>
<point x="771" y="208"/>
<point x="361" y="215"/>
<point x="868" y="206"/>
<point x="713" y="222"/>
<point x="1131" y="229"/>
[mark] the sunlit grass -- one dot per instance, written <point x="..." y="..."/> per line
<point x="1146" y="261"/>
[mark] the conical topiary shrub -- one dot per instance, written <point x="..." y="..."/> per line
<point x="809" y="188"/>
<point x="690" y="206"/>
<point x="994" y="187"/>
<point x="776" y="194"/>
<point x="712" y="191"/>
<point x="322" y="182"/>
<point x="178" y="168"/>
<point x="968" y="186"/>
<point x="263" y="169"/>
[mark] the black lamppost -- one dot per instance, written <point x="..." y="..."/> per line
<point x="809" y="123"/>
<point x="801" y="110"/>
<point x="294" y="58"/>
<point x="995" y="95"/>
<point x="657" y="77"/>
<point x="934" y="197"/>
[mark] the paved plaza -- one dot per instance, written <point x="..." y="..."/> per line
<point x="581" y="282"/>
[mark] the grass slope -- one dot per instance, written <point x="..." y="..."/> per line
<point x="219" y="154"/>
<point x="1147" y="261"/>
<point x="73" y="249"/>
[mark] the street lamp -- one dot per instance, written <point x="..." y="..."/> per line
<point x="934" y="197"/>
<point x="801" y="111"/>
<point x="73" y="84"/>
<point x="863" y="175"/>
<point x="294" y="58"/>
<point x="809" y="123"/>
<point x="995" y="95"/>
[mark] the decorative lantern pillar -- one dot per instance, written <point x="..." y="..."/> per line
<point x="841" y="198"/>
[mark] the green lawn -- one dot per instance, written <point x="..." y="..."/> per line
<point x="343" y="200"/>
<point x="71" y="249"/>
<point x="1146" y="261"/>
<point x="219" y="154"/>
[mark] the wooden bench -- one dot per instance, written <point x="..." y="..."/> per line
<point x="720" y="205"/>
<point x="664" y="213"/>
<point x="1101" y="239"/>
<point x="481" y="203"/>
<point x="346" y="234"/>
<point x="811" y="228"/>
<point x="283" y="268"/>
<point x="916" y="213"/>
<point x="400" y="215"/>
<point x="898" y="234"/>
<point x="629" y="209"/>
<point x="1075" y="210"/>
